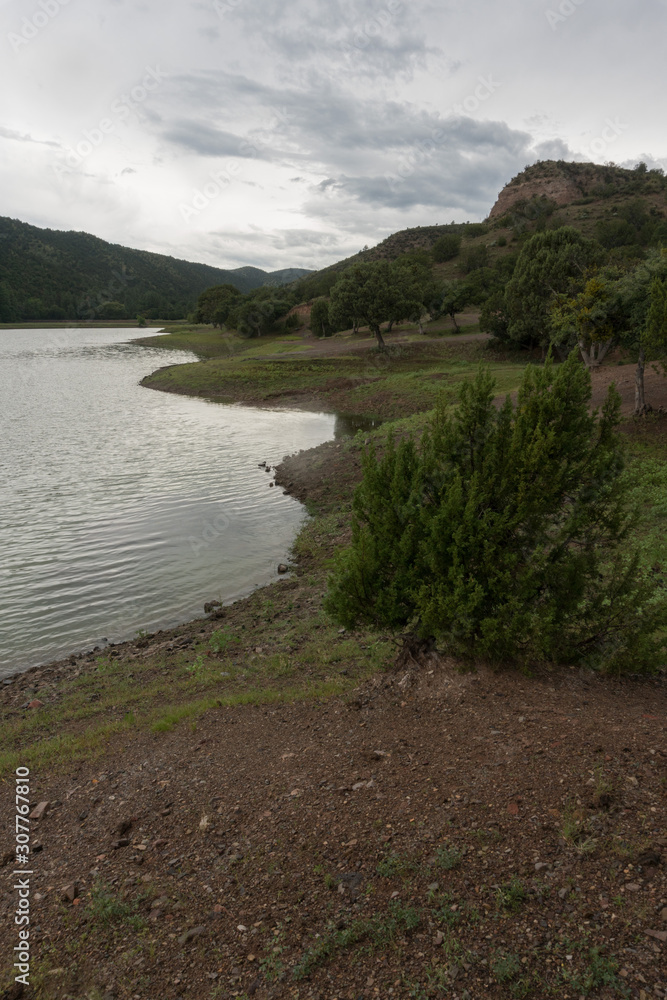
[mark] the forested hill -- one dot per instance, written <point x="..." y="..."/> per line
<point x="51" y="274"/>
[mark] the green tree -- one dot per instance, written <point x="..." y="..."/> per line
<point x="112" y="310"/>
<point x="446" y="247"/>
<point x="640" y="291"/>
<point x="454" y="297"/>
<point x="551" y="263"/>
<point x="375" y="293"/>
<point x="216" y="303"/>
<point x="590" y="319"/>
<point x="319" y="318"/>
<point x="501" y="536"/>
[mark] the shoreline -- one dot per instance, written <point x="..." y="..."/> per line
<point x="284" y="475"/>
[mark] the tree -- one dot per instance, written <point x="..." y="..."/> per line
<point x="586" y="319"/>
<point x="502" y="536"/>
<point x="319" y="318"/>
<point x="641" y="292"/>
<point x="446" y="247"/>
<point x="216" y="303"/>
<point x="454" y="297"/>
<point x="551" y="263"/>
<point x="375" y="293"/>
<point x="653" y="339"/>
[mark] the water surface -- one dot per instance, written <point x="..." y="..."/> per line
<point x="122" y="508"/>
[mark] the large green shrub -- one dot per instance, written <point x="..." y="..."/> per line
<point x="504" y="535"/>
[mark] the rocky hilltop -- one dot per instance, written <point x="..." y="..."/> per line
<point x="564" y="183"/>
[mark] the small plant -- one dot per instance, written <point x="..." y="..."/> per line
<point x="599" y="971"/>
<point x="106" y="908"/>
<point x="196" y="668"/>
<point x="449" y="857"/>
<point x="505" y="967"/>
<point x="221" y="640"/>
<point x="272" y="965"/>
<point x="511" y="896"/>
<point x="394" y="865"/>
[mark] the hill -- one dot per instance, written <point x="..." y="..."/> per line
<point x="620" y="207"/>
<point x="52" y="274"/>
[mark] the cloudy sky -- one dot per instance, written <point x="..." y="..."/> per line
<point x="283" y="134"/>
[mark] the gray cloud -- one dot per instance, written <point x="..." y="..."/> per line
<point x="335" y="122"/>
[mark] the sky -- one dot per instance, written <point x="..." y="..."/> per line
<point x="293" y="134"/>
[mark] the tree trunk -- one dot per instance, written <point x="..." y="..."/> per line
<point x="594" y="355"/>
<point x="390" y="324"/>
<point x="456" y="325"/>
<point x="421" y="326"/>
<point x="640" y="401"/>
<point x="375" y="327"/>
<point x="355" y="326"/>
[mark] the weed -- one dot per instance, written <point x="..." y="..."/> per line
<point x="379" y="931"/>
<point x="196" y="668"/>
<point x="505" y="967"/>
<point x="272" y="965"/>
<point x="449" y="857"/>
<point x="106" y="908"/>
<point x="222" y="639"/>
<point x="511" y="896"/>
<point x="598" y="971"/>
<point x="395" y="866"/>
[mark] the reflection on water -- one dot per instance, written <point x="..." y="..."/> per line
<point x="122" y="508"/>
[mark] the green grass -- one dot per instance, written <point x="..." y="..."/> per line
<point x="511" y="896"/>
<point x="406" y="379"/>
<point x="379" y="931"/>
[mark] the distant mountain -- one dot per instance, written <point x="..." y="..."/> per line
<point x="51" y="274"/>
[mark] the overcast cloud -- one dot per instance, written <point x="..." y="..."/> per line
<point x="291" y="134"/>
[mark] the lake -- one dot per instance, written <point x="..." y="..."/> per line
<point x="122" y="508"/>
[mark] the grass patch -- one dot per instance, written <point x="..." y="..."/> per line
<point x="380" y="932"/>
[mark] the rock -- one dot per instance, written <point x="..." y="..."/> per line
<point x="210" y="606"/>
<point x="541" y="865"/>
<point x="70" y="892"/>
<point x="123" y="842"/>
<point x="663" y="915"/>
<point x="272" y="485"/>
<point x="650" y="858"/>
<point x="191" y="935"/>
<point x="35" y="703"/>
<point x="562" y="893"/>
<point x="40" y="811"/>
<point x="37" y="847"/>
<point x="438" y="939"/>
<point x="124" y="826"/>
<point x="282" y="568"/>
<point x="658" y="935"/>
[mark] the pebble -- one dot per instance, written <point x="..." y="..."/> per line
<point x="191" y="935"/>
<point x="40" y="811"/>
<point x="70" y="892"/>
